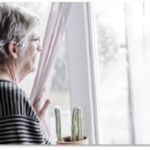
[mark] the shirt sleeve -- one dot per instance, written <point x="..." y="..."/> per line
<point x="19" y="129"/>
<point x="30" y="112"/>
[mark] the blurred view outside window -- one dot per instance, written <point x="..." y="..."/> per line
<point x="113" y="67"/>
<point x="59" y="93"/>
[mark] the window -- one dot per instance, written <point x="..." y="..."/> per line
<point x="59" y="93"/>
<point x="92" y="71"/>
<point x="113" y="67"/>
<point x="99" y="71"/>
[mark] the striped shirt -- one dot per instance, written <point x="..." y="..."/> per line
<point x="19" y="123"/>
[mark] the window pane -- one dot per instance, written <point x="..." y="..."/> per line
<point x="113" y="66"/>
<point x="59" y="93"/>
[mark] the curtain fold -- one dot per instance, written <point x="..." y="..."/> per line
<point x="58" y="19"/>
<point x="138" y="39"/>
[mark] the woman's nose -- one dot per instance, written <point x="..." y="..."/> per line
<point x="39" y="48"/>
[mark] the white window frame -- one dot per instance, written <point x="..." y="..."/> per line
<point x="83" y="69"/>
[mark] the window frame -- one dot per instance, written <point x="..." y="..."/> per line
<point x="83" y="69"/>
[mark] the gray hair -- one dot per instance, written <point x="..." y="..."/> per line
<point x="16" y="24"/>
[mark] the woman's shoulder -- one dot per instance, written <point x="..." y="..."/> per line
<point x="14" y="100"/>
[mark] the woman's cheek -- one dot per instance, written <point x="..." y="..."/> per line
<point x="32" y="54"/>
<point x="34" y="63"/>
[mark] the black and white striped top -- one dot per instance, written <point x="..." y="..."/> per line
<point x="19" y="123"/>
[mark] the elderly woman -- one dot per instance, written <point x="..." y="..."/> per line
<point x="19" y="46"/>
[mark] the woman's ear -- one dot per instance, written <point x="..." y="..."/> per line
<point x="12" y="50"/>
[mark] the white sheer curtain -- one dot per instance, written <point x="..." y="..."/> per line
<point x="138" y="38"/>
<point x="57" y="23"/>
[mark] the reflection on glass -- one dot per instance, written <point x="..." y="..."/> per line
<point x="110" y="21"/>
